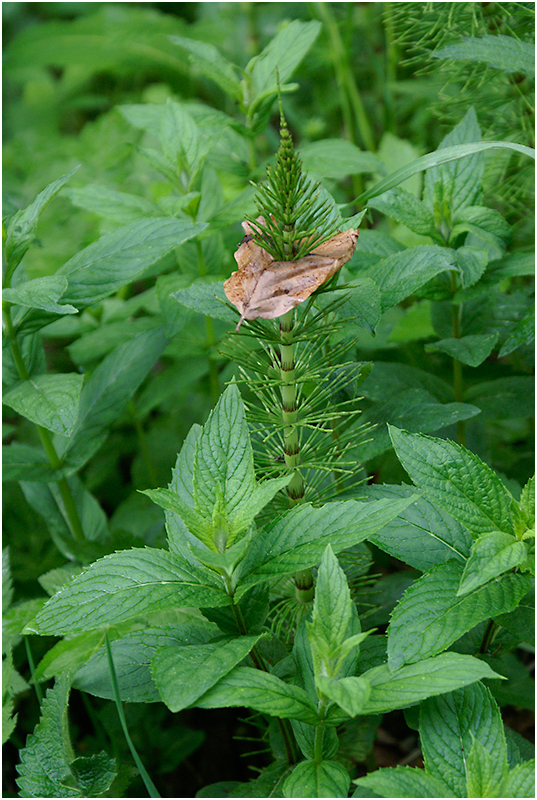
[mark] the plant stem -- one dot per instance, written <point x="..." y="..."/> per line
<point x="283" y="724"/>
<point x="142" y="441"/>
<point x="351" y="102"/>
<point x="291" y="442"/>
<point x="211" y="340"/>
<point x="391" y="68"/>
<point x="456" y="314"/>
<point x="149" y="785"/>
<point x="319" y="732"/>
<point x="490" y="630"/>
<point x="37" y="686"/>
<point x="46" y="439"/>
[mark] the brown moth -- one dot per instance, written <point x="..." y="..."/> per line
<point x="263" y="287"/>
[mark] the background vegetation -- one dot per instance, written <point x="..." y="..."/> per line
<point x="376" y="76"/>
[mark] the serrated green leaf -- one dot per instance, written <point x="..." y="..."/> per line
<point x="202" y="297"/>
<point x="108" y="390"/>
<point x="482" y="771"/>
<point x="521" y="621"/>
<point x="325" y="779"/>
<point x="184" y="674"/>
<point x="119" y="257"/>
<point x="472" y="263"/>
<point x="467" y="714"/>
<point x="404" y="782"/>
<point x="457" y="480"/>
<point x="283" y="53"/>
<point x="485" y="223"/>
<point x="401" y="274"/>
<point x="16" y="618"/>
<point x="437" y="616"/>
<point x="361" y="303"/>
<point x="493" y="554"/>
<point x="520" y="782"/>
<point x="245" y="686"/>
<point x="198" y="525"/>
<point x="56" y="578"/>
<point x="351" y="694"/>
<point x="7" y="580"/>
<point x="41" y="293"/>
<point x="506" y="53"/>
<point x="471" y="350"/>
<point x="527" y="502"/>
<point x="124" y="585"/>
<point x="179" y="135"/>
<point x="132" y="656"/>
<point x="298" y="539"/>
<point x="415" y="682"/>
<point x="212" y="64"/>
<point x="44" y="769"/>
<point x="48" y="400"/>
<point x="405" y="208"/>
<point x="22" y="227"/>
<point x="94" y="774"/>
<point x="332" y="606"/>
<point x="422" y="535"/>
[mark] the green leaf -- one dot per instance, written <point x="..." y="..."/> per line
<point x="325" y="779"/>
<point x="22" y="227"/>
<point x="472" y="262"/>
<point x="94" y="774"/>
<point x="283" y="53"/>
<point x="332" y="606"/>
<point x="110" y="204"/>
<point x="527" y="503"/>
<point x="485" y="223"/>
<point x="361" y="303"/>
<point x="471" y="350"/>
<point x="404" y="782"/>
<point x="44" y="769"/>
<point x="405" y="208"/>
<point x="522" y="334"/>
<point x="184" y="674"/>
<point x="120" y="257"/>
<point x="415" y="682"/>
<point x="132" y="656"/>
<point x="298" y="539"/>
<point x="108" y="390"/>
<point x="401" y="274"/>
<point x="23" y="462"/>
<point x="467" y="714"/>
<point x="264" y="692"/>
<point x="202" y="297"/>
<point x="521" y="621"/>
<point x="350" y="694"/>
<point x="505" y="53"/>
<point x="198" y="525"/>
<point x="457" y="480"/>
<point x="437" y="616"/>
<point x="520" y="782"/>
<point x="179" y="135"/>
<point x="7" y="580"/>
<point x="437" y="158"/>
<point x="493" y="554"/>
<point x="482" y="771"/>
<point x="337" y="158"/>
<point x="422" y="535"/>
<point x="212" y="64"/>
<point x="41" y="293"/>
<point x="503" y="398"/>
<point x="124" y="585"/>
<point x="48" y="400"/>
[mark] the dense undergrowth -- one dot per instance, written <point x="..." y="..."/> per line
<point x="343" y="555"/>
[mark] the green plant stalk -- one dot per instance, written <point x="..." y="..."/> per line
<point x="456" y="313"/>
<point x="319" y="732"/>
<point x="46" y="439"/>
<point x="211" y="339"/>
<point x="142" y="441"/>
<point x="391" y="60"/>
<point x="283" y="724"/>
<point x="348" y="91"/>
<point x="148" y="783"/>
<point x="490" y="630"/>
<point x="37" y="686"/>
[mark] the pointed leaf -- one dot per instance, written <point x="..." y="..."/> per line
<point x="466" y="714"/>
<point x="505" y="53"/>
<point x="124" y="585"/>
<point x="520" y="782"/>
<point x="41" y="293"/>
<point x="283" y="53"/>
<point x="48" y="400"/>
<point x="350" y="694"/>
<point x="457" y="480"/>
<point x="404" y="782"/>
<point x="405" y="208"/>
<point x="298" y="539"/>
<point x="184" y="674"/>
<point x="170" y="501"/>
<point x="264" y="692"/>
<point x="212" y="64"/>
<point x="471" y="350"/>
<point x="325" y="779"/>
<point x="415" y="682"/>
<point x="437" y="616"/>
<point x="492" y="554"/>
